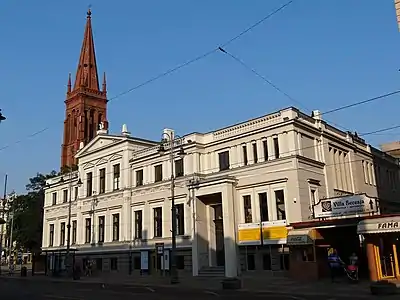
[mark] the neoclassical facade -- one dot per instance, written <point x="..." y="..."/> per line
<point x="237" y="190"/>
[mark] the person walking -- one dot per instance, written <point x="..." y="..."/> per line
<point x="334" y="264"/>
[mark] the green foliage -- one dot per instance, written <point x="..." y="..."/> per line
<point x="28" y="214"/>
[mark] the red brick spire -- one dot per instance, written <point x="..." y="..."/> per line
<point x="86" y="75"/>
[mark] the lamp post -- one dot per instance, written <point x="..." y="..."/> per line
<point x="169" y="139"/>
<point x="2" y="221"/>
<point x="79" y="183"/>
<point x="10" y="201"/>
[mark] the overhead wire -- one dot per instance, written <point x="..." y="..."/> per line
<point x="246" y="66"/>
<point x="163" y="74"/>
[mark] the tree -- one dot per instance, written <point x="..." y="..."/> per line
<point x="28" y="214"/>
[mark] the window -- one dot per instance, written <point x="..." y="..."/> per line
<point x="255" y="154"/>
<point x="138" y="224"/>
<point x="313" y="196"/>
<point x="157" y="212"/>
<point x="251" y="262"/>
<point x="304" y="253"/>
<point x="262" y="198"/>
<point x="62" y="234"/>
<point x="267" y="263"/>
<point x="54" y="198"/>
<point x="248" y="218"/>
<point x="114" y="264"/>
<point x="180" y="262"/>
<point x="88" y="230"/>
<point x="76" y="192"/>
<point x="157" y="173"/>
<point x="223" y="160"/>
<point x="276" y="147"/>
<point x="89" y="184"/>
<point x="74" y="228"/>
<point x="180" y="219"/>
<point x="139" y="177"/>
<point x="280" y="205"/>
<point x="115" y="227"/>
<point x="117" y="174"/>
<point x="179" y="167"/>
<point x="102" y="221"/>
<point x="51" y="235"/>
<point x="102" y="182"/>
<point x="265" y="148"/>
<point x="137" y="263"/>
<point x="245" y="160"/>
<point x="65" y="196"/>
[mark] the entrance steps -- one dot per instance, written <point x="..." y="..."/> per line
<point x="212" y="272"/>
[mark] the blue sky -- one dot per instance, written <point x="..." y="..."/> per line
<point x="323" y="53"/>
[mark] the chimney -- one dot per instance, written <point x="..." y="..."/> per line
<point x="81" y="145"/>
<point x="125" y="131"/>
<point x="168" y="134"/>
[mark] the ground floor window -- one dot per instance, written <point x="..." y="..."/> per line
<point x="180" y="262"/>
<point x="137" y="263"/>
<point x="114" y="264"/>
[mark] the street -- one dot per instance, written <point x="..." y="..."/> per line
<point x="14" y="289"/>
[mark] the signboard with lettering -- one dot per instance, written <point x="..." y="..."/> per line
<point x="345" y="206"/>
<point x="388" y="225"/>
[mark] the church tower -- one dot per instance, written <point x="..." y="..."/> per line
<point x="86" y="103"/>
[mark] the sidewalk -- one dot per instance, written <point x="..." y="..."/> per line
<point x="250" y="283"/>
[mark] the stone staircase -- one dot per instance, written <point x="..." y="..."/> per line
<point x="218" y="272"/>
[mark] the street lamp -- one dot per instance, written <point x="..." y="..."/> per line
<point x="9" y="201"/>
<point x="169" y="139"/>
<point x="79" y="184"/>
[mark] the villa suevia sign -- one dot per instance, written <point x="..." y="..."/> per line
<point x="344" y="206"/>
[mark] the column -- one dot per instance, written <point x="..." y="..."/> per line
<point x="239" y="156"/>
<point x="229" y="224"/>
<point x="260" y="151"/>
<point x="195" y="157"/>
<point x="250" y="154"/>
<point x="233" y="157"/>
<point x="195" y="252"/>
<point x="271" y="148"/>
<point x="372" y="267"/>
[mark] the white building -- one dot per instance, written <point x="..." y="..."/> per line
<point x="273" y="168"/>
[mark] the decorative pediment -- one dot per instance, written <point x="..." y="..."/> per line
<point x="115" y="156"/>
<point x="88" y="166"/>
<point x="101" y="161"/>
<point x="98" y="143"/>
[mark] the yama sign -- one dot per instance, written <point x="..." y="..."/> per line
<point x="344" y="206"/>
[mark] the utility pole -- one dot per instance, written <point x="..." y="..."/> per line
<point x="3" y="206"/>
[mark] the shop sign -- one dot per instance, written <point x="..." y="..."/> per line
<point x="298" y="240"/>
<point x="250" y="233"/>
<point x="344" y="206"/>
<point x="388" y="225"/>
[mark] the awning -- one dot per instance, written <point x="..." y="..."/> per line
<point x="379" y="225"/>
<point x="300" y="237"/>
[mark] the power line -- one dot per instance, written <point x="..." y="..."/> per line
<point x="241" y="62"/>
<point x="361" y="102"/>
<point x="161" y="75"/>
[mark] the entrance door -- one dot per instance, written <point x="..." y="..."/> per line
<point x="219" y="235"/>
<point x="387" y="258"/>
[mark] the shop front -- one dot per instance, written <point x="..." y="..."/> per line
<point x="306" y="256"/>
<point x="383" y="246"/>
<point x="262" y="247"/>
